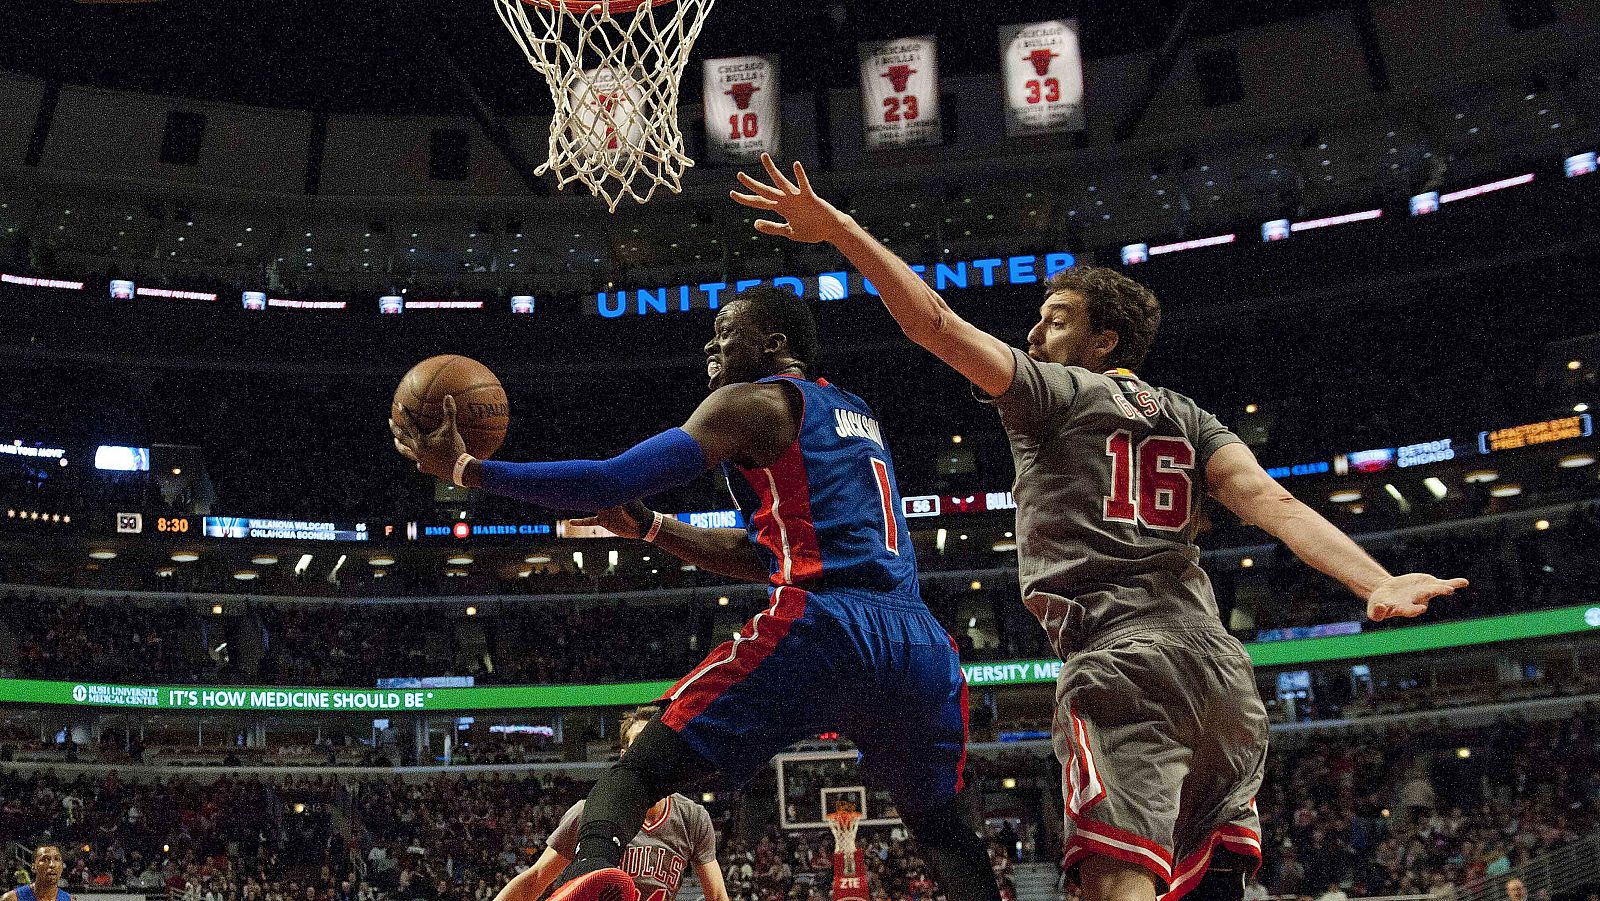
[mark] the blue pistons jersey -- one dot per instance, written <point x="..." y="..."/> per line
<point x="25" y="893"/>
<point x="828" y="511"/>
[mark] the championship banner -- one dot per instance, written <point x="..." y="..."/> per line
<point x="741" y="101"/>
<point x="900" y="92"/>
<point x="1043" y="77"/>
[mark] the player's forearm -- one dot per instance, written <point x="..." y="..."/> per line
<point x="920" y="311"/>
<point x="528" y="885"/>
<point x="1320" y="544"/>
<point x="668" y="460"/>
<point x="726" y="552"/>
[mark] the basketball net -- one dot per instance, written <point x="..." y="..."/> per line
<point x="613" y="68"/>
<point x="843" y="823"/>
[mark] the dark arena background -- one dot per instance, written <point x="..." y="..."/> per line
<point x="248" y="653"/>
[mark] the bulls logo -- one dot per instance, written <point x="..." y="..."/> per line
<point x="898" y="76"/>
<point x="741" y="93"/>
<point x="1041" y="60"/>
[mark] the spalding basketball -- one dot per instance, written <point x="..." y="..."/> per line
<point x="482" y="411"/>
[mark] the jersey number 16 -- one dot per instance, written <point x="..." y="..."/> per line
<point x="1150" y="484"/>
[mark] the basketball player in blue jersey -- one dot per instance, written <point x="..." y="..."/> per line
<point x="845" y="644"/>
<point x="48" y="866"/>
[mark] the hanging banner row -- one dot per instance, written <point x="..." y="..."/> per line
<point x="1042" y="75"/>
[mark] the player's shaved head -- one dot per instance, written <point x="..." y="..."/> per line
<point x="781" y="312"/>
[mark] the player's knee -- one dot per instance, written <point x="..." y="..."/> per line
<point x="1102" y="878"/>
<point x="660" y="761"/>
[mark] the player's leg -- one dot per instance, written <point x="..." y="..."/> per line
<point x="1122" y="723"/>
<point x="913" y="740"/>
<point x="1102" y="878"/>
<point x="1219" y="832"/>
<point x="657" y="764"/>
<point x="749" y="699"/>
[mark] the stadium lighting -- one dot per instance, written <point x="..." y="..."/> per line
<point x="381" y="560"/>
<point x="216" y="609"/>
<point x="722" y="601"/>
<point x="1435" y="487"/>
<point x="1580" y="408"/>
<point x="1480" y="476"/>
<point x="536" y="558"/>
<point x="1008" y="782"/>
<point x="1005" y="546"/>
<point x="1345" y="496"/>
<point x="185" y="557"/>
<point x="243" y="575"/>
<point x="938" y="540"/>
<point x="955" y="439"/>
<point x="976" y="585"/>
<point x="577" y="559"/>
<point x="103" y="555"/>
<point x="707" y="797"/>
<point x="1542" y="525"/>
<point x="1463" y="753"/>
<point x="1510" y="489"/>
<point x="264" y="559"/>
<point x="303" y="564"/>
<point x="460" y="560"/>
<point x="1247" y="562"/>
<point x="1399" y="499"/>
<point x="1574" y="364"/>
<point x="1251" y="408"/>
<point x="1576" y="461"/>
<point x="472" y="611"/>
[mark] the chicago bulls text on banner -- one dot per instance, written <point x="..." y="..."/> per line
<point x="1044" y="77"/>
<point x="900" y="92"/>
<point x="741" y="101"/>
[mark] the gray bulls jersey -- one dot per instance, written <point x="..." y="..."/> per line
<point x="661" y="853"/>
<point x="1110" y="477"/>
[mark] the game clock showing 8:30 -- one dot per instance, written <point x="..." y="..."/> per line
<point x="172" y="524"/>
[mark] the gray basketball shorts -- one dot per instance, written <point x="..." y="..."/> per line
<point x="1162" y="739"/>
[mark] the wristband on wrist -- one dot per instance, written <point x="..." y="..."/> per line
<point x="461" y="468"/>
<point x="655" y="528"/>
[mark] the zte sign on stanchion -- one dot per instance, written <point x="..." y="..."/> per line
<point x="900" y="93"/>
<point x="1044" y="77"/>
<point x="741" y="103"/>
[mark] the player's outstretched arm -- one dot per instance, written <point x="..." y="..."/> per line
<point x="1239" y="483"/>
<point x="726" y="552"/>
<point x="530" y="884"/>
<point x="923" y="315"/>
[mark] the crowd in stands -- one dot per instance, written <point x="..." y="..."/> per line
<point x="1366" y="813"/>
<point x="1512" y="568"/>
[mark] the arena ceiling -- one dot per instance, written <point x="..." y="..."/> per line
<point x="371" y="56"/>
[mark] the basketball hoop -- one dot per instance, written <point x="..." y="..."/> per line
<point x="613" y="67"/>
<point x="842" y="823"/>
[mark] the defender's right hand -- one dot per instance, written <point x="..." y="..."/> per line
<point x="627" y="521"/>
<point x="807" y="217"/>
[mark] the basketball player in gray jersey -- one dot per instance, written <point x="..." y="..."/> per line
<point x="677" y="835"/>
<point x="1160" y="731"/>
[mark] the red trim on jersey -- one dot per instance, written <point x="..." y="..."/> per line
<point x="961" y="765"/>
<point x="1192" y="869"/>
<point x="666" y="811"/>
<point x="733" y="660"/>
<point x="783" y="522"/>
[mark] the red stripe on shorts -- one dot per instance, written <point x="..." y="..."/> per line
<point x="733" y="660"/>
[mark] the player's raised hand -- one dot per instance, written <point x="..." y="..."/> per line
<point x="627" y="521"/>
<point x="1408" y="595"/>
<point x="435" y="452"/>
<point x="807" y="217"/>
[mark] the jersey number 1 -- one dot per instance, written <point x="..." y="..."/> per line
<point x="1158" y="493"/>
<point x="891" y="528"/>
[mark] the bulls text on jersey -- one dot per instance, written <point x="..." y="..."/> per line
<point x="654" y="863"/>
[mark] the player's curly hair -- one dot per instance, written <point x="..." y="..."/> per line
<point x="782" y="312"/>
<point x="634" y="717"/>
<point x="1118" y="303"/>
